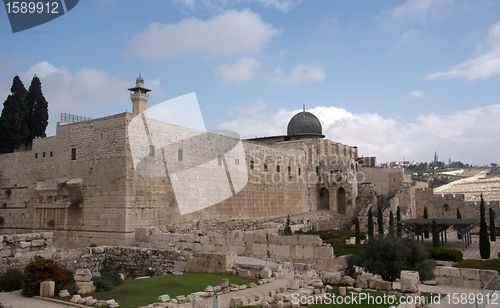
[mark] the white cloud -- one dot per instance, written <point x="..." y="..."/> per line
<point x="299" y="74"/>
<point x="231" y="32"/>
<point x="241" y="70"/>
<point x="417" y="93"/>
<point x="411" y="36"/>
<point x="189" y="4"/>
<point x="415" y="9"/>
<point x="469" y="135"/>
<point x="88" y="91"/>
<point x="484" y="66"/>
<point x="281" y="5"/>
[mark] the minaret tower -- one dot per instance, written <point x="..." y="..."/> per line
<point x="139" y="96"/>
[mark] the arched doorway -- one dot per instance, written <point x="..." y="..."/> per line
<point x="324" y="199"/>
<point x="341" y="204"/>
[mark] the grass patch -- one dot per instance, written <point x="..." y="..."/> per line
<point x="337" y="238"/>
<point x="493" y="264"/>
<point x="141" y="292"/>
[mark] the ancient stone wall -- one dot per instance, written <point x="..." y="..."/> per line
<point x="445" y="206"/>
<point x="296" y="248"/>
<point x="387" y="181"/>
<point x="469" y="278"/>
<point x="17" y="250"/>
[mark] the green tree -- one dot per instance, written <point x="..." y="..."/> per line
<point x="484" y="242"/>
<point x="14" y="129"/>
<point x="370" y="223"/>
<point x="380" y="220"/>
<point x="38" y="107"/>
<point x="391" y="223"/>
<point x="288" y="227"/>
<point x="357" y="231"/>
<point x="435" y="234"/>
<point x="426" y="215"/>
<point x="493" y="231"/>
<point x="387" y="256"/>
<point x="398" y="220"/>
<point x="459" y="216"/>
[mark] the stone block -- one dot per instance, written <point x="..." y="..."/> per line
<point x="164" y="298"/>
<point x="447" y="271"/>
<point x="265" y="273"/>
<point x="204" y="239"/>
<point x="347" y="281"/>
<point x="379" y="284"/>
<point x="324" y="252"/>
<point x="410" y="281"/>
<point x="6" y="252"/>
<point x="64" y="293"/>
<point x="259" y="249"/>
<point x="38" y="243"/>
<point x="469" y="273"/>
<point x="308" y="252"/>
<point x="310" y="240"/>
<point x="293" y="284"/>
<point x="24" y="244"/>
<point x="76" y="299"/>
<point x="342" y="291"/>
<point x="85" y="287"/>
<point x="361" y="282"/>
<point x="298" y="251"/>
<point x="283" y="251"/>
<point x="83" y="275"/>
<point x="47" y="288"/>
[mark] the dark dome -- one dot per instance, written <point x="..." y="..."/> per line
<point x="304" y="123"/>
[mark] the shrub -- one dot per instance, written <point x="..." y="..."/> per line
<point x="107" y="281"/>
<point x="388" y="256"/>
<point x="445" y="254"/>
<point x="41" y="269"/>
<point x="12" y="280"/>
<point x="484" y="241"/>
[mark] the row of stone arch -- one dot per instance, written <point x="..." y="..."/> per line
<point x="324" y="200"/>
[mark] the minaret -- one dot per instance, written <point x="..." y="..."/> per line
<point x="139" y="96"/>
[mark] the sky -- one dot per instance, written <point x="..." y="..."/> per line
<point x="398" y="79"/>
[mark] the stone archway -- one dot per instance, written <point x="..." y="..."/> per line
<point x="341" y="202"/>
<point x="324" y="199"/>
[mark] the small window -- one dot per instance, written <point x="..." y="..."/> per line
<point x="219" y="160"/>
<point x="180" y="155"/>
<point x="317" y="170"/>
<point x="36" y="155"/>
<point x="73" y="154"/>
<point x="299" y="172"/>
<point x="102" y="135"/>
<point x="51" y="154"/>
<point x="289" y="170"/>
<point x="43" y="154"/>
<point x="151" y="151"/>
<point x="236" y="161"/>
<point x="278" y="168"/>
<point x="251" y="164"/>
<point x="265" y="167"/>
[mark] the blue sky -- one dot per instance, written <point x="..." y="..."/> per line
<point x="400" y="79"/>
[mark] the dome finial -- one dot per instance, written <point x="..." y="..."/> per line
<point x="139" y="79"/>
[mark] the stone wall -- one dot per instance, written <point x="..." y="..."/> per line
<point x="130" y="261"/>
<point x="467" y="277"/>
<point x="295" y="248"/>
<point x="17" y="250"/>
<point x="445" y="205"/>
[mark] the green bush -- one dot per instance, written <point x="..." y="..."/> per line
<point x="445" y="254"/>
<point x="388" y="256"/>
<point x="107" y="281"/>
<point x="12" y="280"/>
<point x="41" y="269"/>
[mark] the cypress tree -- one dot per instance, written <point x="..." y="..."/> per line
<point x="370" y="223"/>
<point x="288" y="227"/>
<point x="459" y="216"/>
<point x="484" y="242"/>
<point x="426" y="215"/>
<point x="357" y="231"/>
<point x="38" y="107"/>
<point x="435" y="234"/>
<point x="380" y="221"/>
<point x="493" y="231"/>
<point x="14" y="129"/>
<point x="398" y="220"/>
<point x="391" y="224"/>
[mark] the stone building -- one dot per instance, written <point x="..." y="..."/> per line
<point x="99" y="180"/>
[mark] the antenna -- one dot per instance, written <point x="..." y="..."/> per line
<point x="304" y="107"/>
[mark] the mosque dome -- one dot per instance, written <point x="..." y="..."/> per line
<point x="304" y="123"/>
